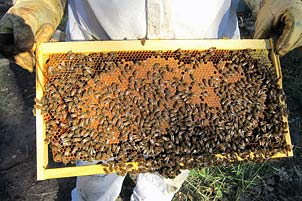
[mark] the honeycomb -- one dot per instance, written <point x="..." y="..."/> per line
<point x="166" y="110"/>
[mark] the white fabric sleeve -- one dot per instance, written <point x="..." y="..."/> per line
<point x="101" y="187"/>
<point x="152" y="186"/>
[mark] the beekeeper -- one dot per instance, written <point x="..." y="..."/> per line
<point x="33" y="21"/>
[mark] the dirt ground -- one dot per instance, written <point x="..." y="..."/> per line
<point x="17" y="132"/>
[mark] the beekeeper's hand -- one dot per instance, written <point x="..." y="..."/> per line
<point x="30" y="21"/>
<point x="272" y="14"/>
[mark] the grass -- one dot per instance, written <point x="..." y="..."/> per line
<point x="221" y="183"/>
<point x="272" y="180"/>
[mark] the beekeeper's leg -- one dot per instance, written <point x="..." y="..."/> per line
<point x="101" y="187"/>
<point x="155" y="187"/>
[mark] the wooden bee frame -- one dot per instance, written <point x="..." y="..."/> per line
<point x="45" y="49"/>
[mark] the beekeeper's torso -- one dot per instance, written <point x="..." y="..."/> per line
<point x="155" y="19"/>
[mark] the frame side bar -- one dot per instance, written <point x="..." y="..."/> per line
<point x="41" y="145"/>
<point x="276" y="62"/>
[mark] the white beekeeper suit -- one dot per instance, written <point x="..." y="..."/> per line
<point x="154" y="19"/>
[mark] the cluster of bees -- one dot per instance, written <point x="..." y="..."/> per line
<point x="165" y="110"/>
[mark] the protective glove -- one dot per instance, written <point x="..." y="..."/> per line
<point x="30" y="22"/>
<point x="272" y="14"/>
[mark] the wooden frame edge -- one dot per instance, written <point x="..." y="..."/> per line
<point x="276" y="62"/>
<point x="41" y="150"/>
<point x="132" y="45"/>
